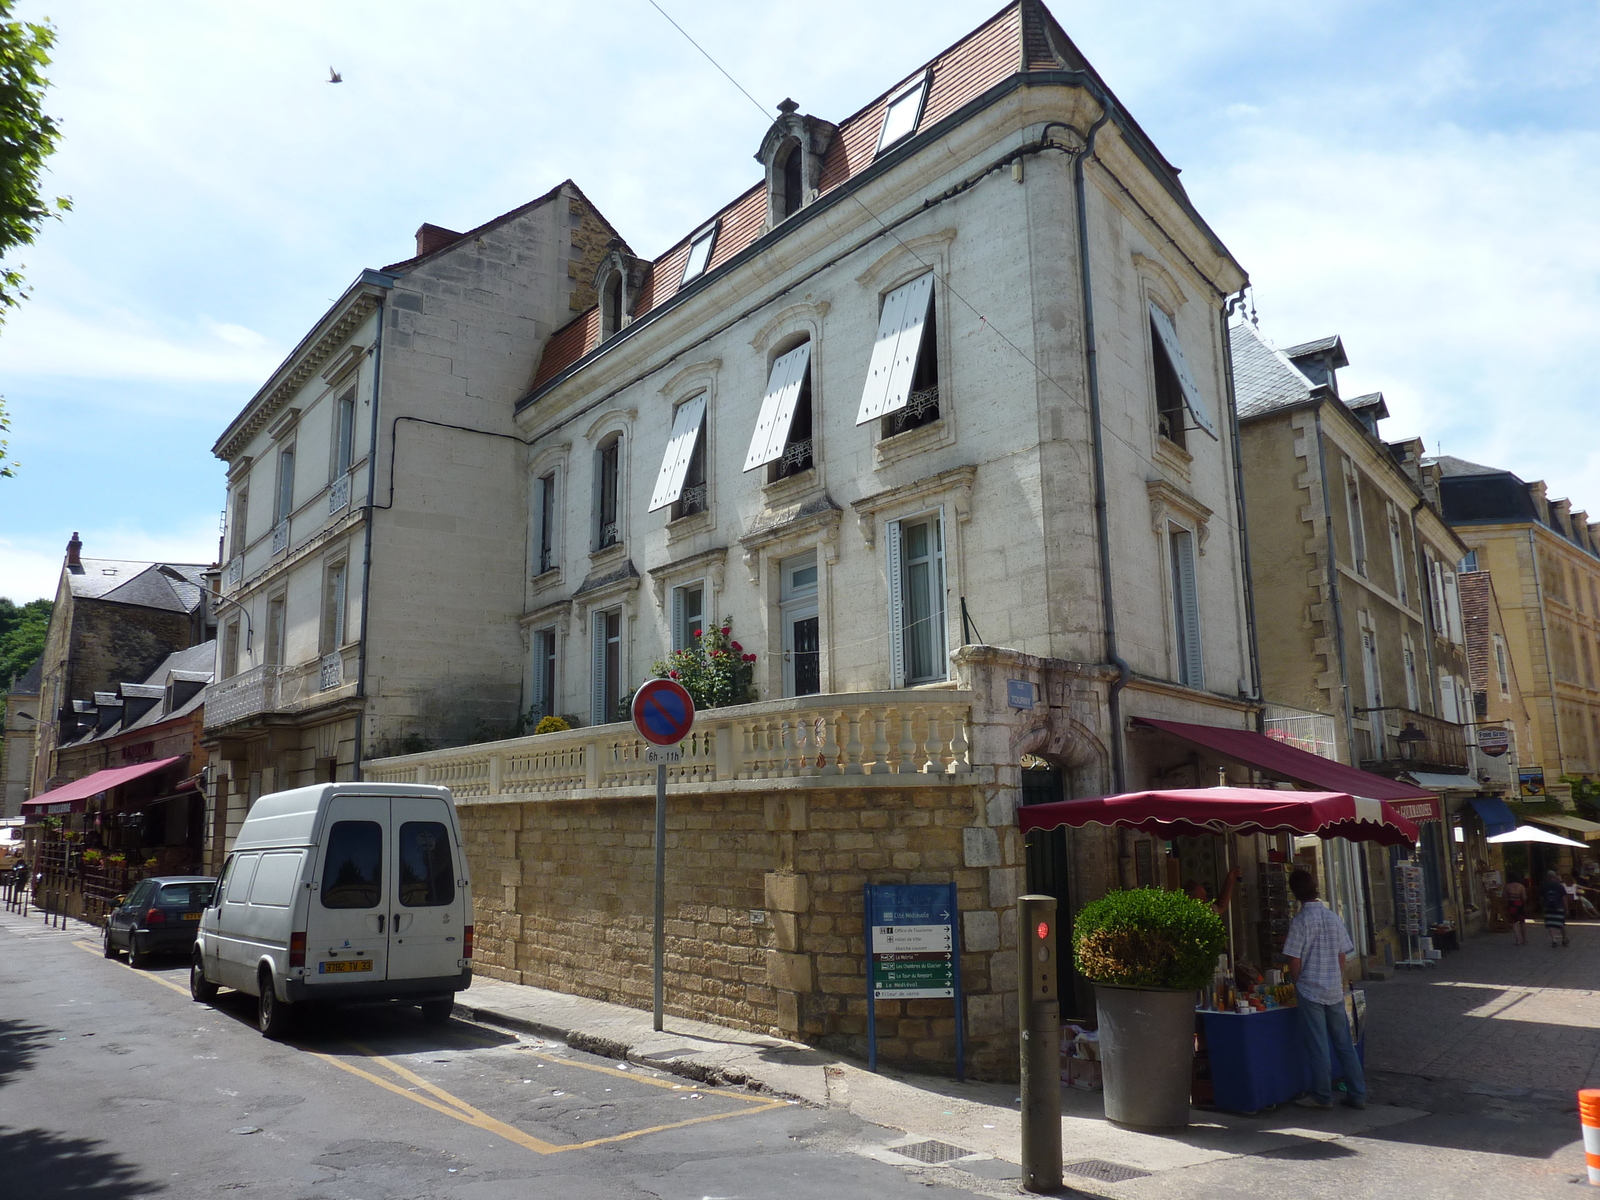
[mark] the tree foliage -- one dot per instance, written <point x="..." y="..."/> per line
<point x="28" y="136"/>
<point x="22" y="630"/>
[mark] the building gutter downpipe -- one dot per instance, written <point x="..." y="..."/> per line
<point x="1333" y="595"/>
<point x="1102" y="521"/>
<point x="366" y="553"/>
<point x="1252" y="645"/>
<point x="1431" y="690"/>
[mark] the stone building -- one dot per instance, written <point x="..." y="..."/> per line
<point x="376" y="546"/>
<point x="21" y="734"/>
<point x="1544" y="559"/>
<point x="938" y="416"/>
<point x="1357" y="599"/>
<point x="113" y="620"/>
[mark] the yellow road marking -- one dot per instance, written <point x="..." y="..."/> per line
<point x="166" y="983"/>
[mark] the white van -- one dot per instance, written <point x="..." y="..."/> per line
<point x="341" y="892"/>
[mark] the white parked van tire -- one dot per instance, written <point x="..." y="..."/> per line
<point x="272" y="1014"/>
<point x="201" y="989"/>
<point x="437" y="1012"/>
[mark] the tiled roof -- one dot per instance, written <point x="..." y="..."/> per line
<point x="195" y="664"/>
<point x="1476" y="590"/>
<point x="140" y="583"/>
<point x="1263" y="378"/>
<point x="1021" y="37"/>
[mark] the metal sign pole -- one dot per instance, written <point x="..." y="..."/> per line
<point x="661" y="886"/>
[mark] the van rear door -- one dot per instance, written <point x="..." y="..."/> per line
<point x="347" y="925"/>
<point x="429" y="911"/>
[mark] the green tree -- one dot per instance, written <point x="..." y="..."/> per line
<point x="22" y="630"/>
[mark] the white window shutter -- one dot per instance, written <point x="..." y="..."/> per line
<point x="894" y="354"/>
<point x="1189" y="611"/>
<point x="897" y="607"/>
<point x="677" y="639"/>
<point x="1447" y="699"/>
<point x="777" y="406"/>
<point x="1452" y="596"/>
<point x="597" y="671"/>
<point x="680" y="449"/>
<point x="1168" y="334"/>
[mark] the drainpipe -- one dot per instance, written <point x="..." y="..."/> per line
<point x="1251" y="644"/>
<point x="366" y="554"/>
<point x="1427" y="606"/>
<point x="1333" y="590"/>
<point x="1549" y="662"/>
<point x="1119" y="758"/>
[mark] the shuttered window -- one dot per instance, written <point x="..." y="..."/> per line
<point x="917" y="637"/>
<point x="1167" y="336"/>
<point x="778" y="406"/>
<point x="688" y="615"/>
<point x="1447" y="699"/>
<point x="893" y="367"/>
<point x="606" y="667"/>
<point x="1186" y="609"/>
<point x="1452" y="602"/>
<point x="686" y="430"/>
<point x="542" y="700"/>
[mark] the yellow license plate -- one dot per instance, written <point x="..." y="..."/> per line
<point x="191" y="916"/>
<point x="346" y="967"/>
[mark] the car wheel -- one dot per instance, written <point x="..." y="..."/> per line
<point x="272" y="1014"/>
<point x="200" y="988"/>
<point x="437" y="1012"/>
<point x="108" y="947"/>
<point x="138" y="956"/>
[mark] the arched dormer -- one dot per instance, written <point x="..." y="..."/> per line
<point x="617" y="282"/>
<point x="792" y="153"/>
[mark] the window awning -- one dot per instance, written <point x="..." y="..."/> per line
<point x="1587" y="830"/>
<point x="1443" y="783"/>
<point x="79" y="790"/>
<point x="1274" y="757"/>
<point x="1497" y="818"/>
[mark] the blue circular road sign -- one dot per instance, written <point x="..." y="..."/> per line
<point x="663" y="712"/>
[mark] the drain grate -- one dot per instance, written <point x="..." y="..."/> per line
<point x="933" y="1152"/>
<point x="1105" y="1172"/>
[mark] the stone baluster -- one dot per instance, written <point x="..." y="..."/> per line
<point x="928" y="746"/>
<point x="828" y="739"/>
<point x="852" y="747"/>
<point x="783" y="763"/>
<point x="880" y="742"/>
<point x="907" y="764"/>
<point x="811" y="745"/>
<point x="959" y="764"/>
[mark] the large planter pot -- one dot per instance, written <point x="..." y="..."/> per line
<point x="1146" y="1054"/>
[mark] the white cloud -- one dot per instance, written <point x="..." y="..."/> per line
<point x="45" y="338"/>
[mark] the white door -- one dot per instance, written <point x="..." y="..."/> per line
<point x="428" y="914"/>
<point x="347" y="926"/>
<point x="234" y="920"/>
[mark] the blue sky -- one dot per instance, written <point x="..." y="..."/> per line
<point x="1418" y="177"/>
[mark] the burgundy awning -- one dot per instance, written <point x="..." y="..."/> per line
<point x="1272" y="756"/>
<point x="1188" y="812"/>
<point x="81" y="789"/>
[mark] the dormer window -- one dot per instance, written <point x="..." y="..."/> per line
<point x="700" y="247"/>
<point x="792" y="152"/>
<point x="793" y="182"/>
<point x="611" y="306"/>
<point x="902" y="112"/>
<point x="617" y="281"/>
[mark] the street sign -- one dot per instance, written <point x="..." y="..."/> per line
<point x="663" y="754"/>
<point x="1493" y="742"/>
<point x="663" y="712"/>
<point x="1019" y="694"/>
<point x="912" y="952"/>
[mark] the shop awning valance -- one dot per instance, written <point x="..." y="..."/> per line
<point x="1577" y="826"/>
<point x="1276" y="758"/>
<point x="1187" y="812"/>
<point x="1497" y="818"/>
<point x="90" y="785"/>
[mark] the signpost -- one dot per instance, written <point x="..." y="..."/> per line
<point x="1492" y="741"/>
<point x="1530" y="783"/>
<point x="912" y="953"/>
<point x="663" y="713"/>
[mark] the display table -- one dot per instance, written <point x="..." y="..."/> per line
<point x="1259" y="1059"/>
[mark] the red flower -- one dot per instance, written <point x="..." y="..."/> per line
<point x="749" y="658"/>
<point x="672" y="674"/>
<point x="726" y="630"/>
<point x="697" y="633"/>
<point x="736" y="646"/>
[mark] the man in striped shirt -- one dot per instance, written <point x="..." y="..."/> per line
<point x="1316" y="946"/>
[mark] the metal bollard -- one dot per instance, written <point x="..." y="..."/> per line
<point x="1039" y="1013"/>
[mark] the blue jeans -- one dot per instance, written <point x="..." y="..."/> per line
<point x="1325" y="1027"/>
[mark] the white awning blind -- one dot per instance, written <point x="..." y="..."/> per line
<point x="777" y="406"/>
<point x="1180" y="366"/>
<point x="894" y="354"/>
<point x="680" y="449"/>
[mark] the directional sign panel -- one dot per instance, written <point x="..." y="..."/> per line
<point x="911" y="931"/>
<point x="663" y="712"/>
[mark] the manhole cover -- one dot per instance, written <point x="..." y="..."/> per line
<point x="1105" y="1172"/>
<point x="933" y="1152"/>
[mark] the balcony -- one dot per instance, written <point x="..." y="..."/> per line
<point x="1402" y="740"/>
<point x="905" y="738"/>
<point x="246" y="694"/>
<point x="280" y="536"/>
<point x="338" y="493"/>
<point x="282" y="689"/>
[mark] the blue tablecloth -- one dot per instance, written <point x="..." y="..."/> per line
<point x="1258" y="1059"/>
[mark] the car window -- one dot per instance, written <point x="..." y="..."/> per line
<point x="427" y="875"/>
<point x="140" y="894"/>
<point x="185" y="895"/>
<point x="352" y="872"/>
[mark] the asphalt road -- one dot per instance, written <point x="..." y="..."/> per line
<point x="115" y="1084"/>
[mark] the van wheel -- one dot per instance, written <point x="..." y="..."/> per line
<point x="272" y="1014"/>
<point x="138" y="956"/>
<point x="437" y="1012"/>
<point x="200" y="988"/>
<point x="107" y="946"/>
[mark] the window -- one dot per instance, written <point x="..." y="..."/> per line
<point x="1164" y="342"/>
<point x="427" y="874"/>
<point x="1186" y="608"/>
<point x="352" y="872"/>
<point x="897" y="353"/>
<point x="606" y="683"/>
<point x="916" y="601"/>
<point x="688" y="615"/>
<point x="1397" y="556"/>
<point x="700" y="247"/>
<point x="802" y="631"/>
<point x="1447" y="699"/>
<point x="285" y="486"/>
<point x="1370" y="664"/>
<point x="775" y="439"/>
<point x="1355" y="519"/>
<point x="241" y="512"/>
<point x="230" y="650"/>
<point x="1436" y="602"/>
<point x="611" y="306"/>
<point x="1469" y="563"/>
<point x="1170" y="420"/>
<point x="902" y="112"/>
<point x="695" y="496"/>
<point x="1502" y="667"/>
<point x="276" y="628"/>
<point x="344" y="434"/>
<point x="607" y="478"/>
<point x="547" y="524"/>
<point x="688" y="427"/>
<point x="794" y="194"/>
<point x="922" y="405"/>
<point x="1452" y="606"/>
<point x="333" y="606"/>
<point x="1413" y="688"/>
<point x="543" y="698"/>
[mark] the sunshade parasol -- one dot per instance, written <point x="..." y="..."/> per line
<point x="1529" y="833"/>
<point x="1186" y="812"/>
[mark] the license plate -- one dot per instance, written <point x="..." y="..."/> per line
<point x="346" y="967"/>
<point x="191" y="916"/>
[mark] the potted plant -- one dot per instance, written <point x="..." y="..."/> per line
<point x="714" y="670"/>
<point x="1148" y="952"/>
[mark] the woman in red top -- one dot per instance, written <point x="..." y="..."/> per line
<point x="1517" y="909"/>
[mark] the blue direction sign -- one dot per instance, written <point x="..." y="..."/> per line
<point x="663" y="712"/>
<point x="913" y="952"/>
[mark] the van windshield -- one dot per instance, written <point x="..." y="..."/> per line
<point x="352" y="873"/>
<point x="427" y="876"/>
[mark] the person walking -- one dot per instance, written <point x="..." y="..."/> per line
<point x="1517" y="909"/>
<point x="1553" y="895"/>
<point x="1316" y="949"/>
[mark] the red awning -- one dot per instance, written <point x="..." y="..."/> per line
<point x="90" y="785"/>
<point x="1272" y="756"/>
<point x="1187" y="812"/>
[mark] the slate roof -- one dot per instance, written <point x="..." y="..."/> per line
<point x="1319" y="346"/>
<point x="1450" y="466"/>
<point x="148" y="585"/>
<point x="195" y="664"/>
<point x="1264" y="379"/>
<point x="30" y="680"/>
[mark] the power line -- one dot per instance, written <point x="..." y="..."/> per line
<point x="709" y="59"/>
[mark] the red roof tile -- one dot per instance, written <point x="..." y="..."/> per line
<point x="567" y="345"/>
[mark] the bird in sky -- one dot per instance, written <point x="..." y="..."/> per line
<point x="334" y="76"/>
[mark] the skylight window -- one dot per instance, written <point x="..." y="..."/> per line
<point x="699" y="252"/>
<point x="901" y="114"/>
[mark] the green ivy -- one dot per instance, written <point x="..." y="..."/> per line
<point x="1148" y="938"/>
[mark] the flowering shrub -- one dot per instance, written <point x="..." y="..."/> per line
<point x="715" y="670"/>
<point x="1145" y="937"/>
<point x="551" y="725"/>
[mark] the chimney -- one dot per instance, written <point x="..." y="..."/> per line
<point x="434" y="237"/>
<point x="74" y="549"/>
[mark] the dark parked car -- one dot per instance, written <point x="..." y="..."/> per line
<point x="160" y="916"/>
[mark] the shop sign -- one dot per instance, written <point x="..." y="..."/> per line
<point x="1416" y="810"/>
<point x="1494" y="742"/>
<point x="1530" y="782"/>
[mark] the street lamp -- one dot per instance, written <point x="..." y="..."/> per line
<point x="1408" y="739"/>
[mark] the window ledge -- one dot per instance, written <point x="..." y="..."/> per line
<point x="793" y="488"/>
<point x="547" y="580"/>
<point x="599" y="558"/>
<point x="913" y="441"/>
<point x="690" y="526"/>
<point x="1173" y="456"/>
